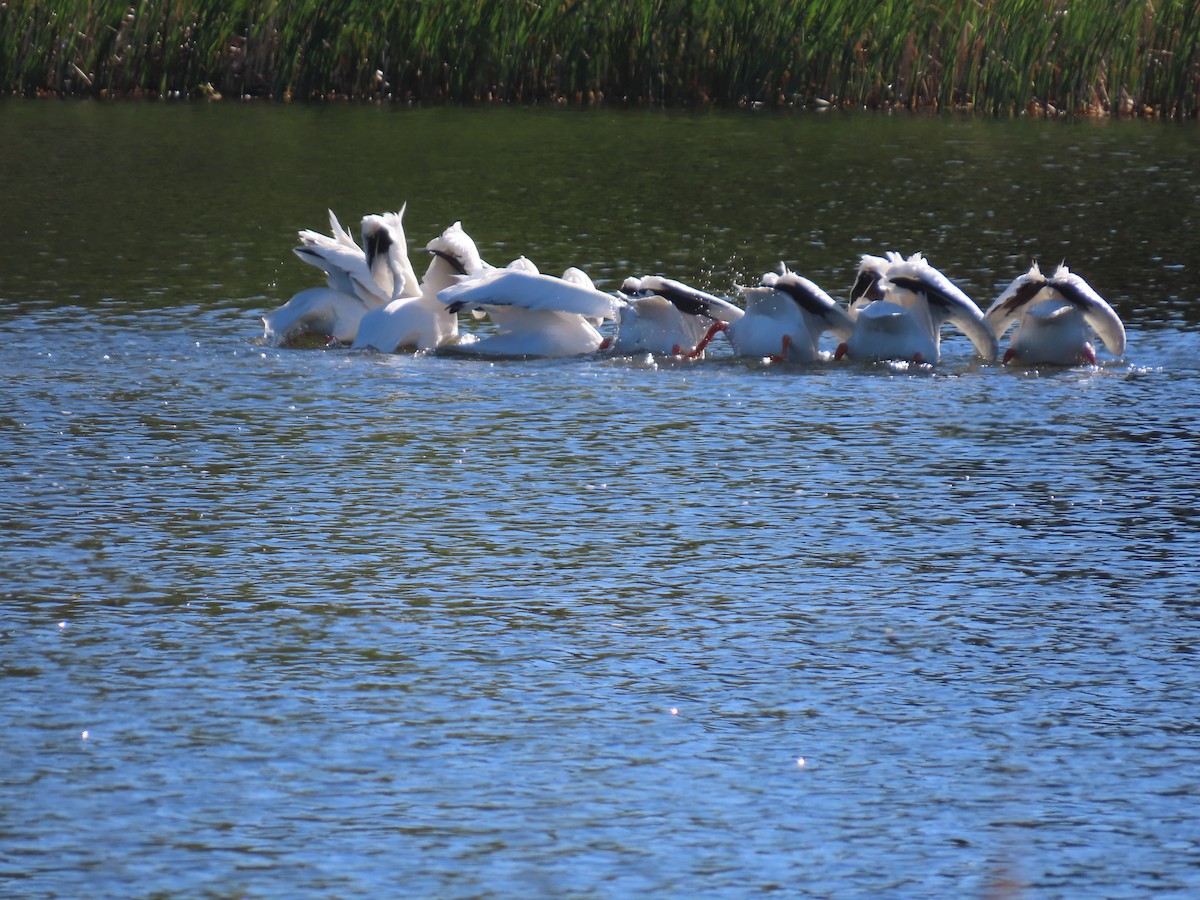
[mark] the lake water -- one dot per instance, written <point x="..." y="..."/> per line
<point x="282" y="622"/>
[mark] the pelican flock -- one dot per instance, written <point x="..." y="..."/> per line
<point x="896" y="309"/>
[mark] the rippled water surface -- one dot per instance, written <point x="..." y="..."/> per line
<point x="282" y="622"/>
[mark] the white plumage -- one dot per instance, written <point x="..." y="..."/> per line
<point x="423" y="322"/>
<point x="372" y="298"/>
<point x="357" y="280"/>
<point x="534" y="314"/>
<point x="899" y="306"/>
<point x="664" y="316"/>
<point x="1053" y="317"/>
<point x="785" y="318"/>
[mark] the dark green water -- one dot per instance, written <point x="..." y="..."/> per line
<point x="99" y="193"/>
<point x="322" y="623"/>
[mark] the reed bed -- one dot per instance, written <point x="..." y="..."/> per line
<point x="1000" y="57"/>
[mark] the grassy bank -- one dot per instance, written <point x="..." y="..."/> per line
<point x="993" y="56"/>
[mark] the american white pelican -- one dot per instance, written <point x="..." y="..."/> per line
<point x="454" y="255"/>
<point x="357" y="280"/>
<point x="534" y="314"/>
<point x="1053" y="316"/>
<point x="424" y="322"/>
<point x="661" y="315"/>
<point x="899" y="306"/>
<point x="785" y="318"/>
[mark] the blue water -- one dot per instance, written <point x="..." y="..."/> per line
<point x="282" y="622"/>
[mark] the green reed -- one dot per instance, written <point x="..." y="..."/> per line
<point x="1129" y="57"/>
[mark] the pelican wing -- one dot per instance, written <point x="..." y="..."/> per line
<point x="528" y="290"/>
<point x="326" y="253"/>
<point x="947" y="303"/>
<point x="376" y="274"/>
<point x="971" y="322"/>
<point x="1096" y="311"/>
<point x="814" y="301"/>
<point x="318" y="310"/>
<point x="340" y="234"/>
<point x="688" y="300"/>
<point x="416" y="323"/>
<point x="583" y="279"/>
<point x="344" y="264"/>
<point x="1008" y="306"/>
<point x="871" y="270"/>
<point x="341" y="237"/>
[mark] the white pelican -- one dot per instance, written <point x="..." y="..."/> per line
<point x="358" y="281"/>
<point x="534" y="314"/>
<point x="457" y="255"/>
<point x="661" y="315"/>
<point x="423" y="322"/>
<point x="1053" y="316"/>
<point x="785" y="318"/>
<point x="899" y="306"/>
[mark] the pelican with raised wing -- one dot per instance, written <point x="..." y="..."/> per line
<point x="785" y="318"/>
<point x="899" y="306"/>
<point x="424" y="322"/>
<point x="1054" y="317"/>
<point x="665" y="316"/>
<point x="534" y="314"/>
<point x="357" y="280"/>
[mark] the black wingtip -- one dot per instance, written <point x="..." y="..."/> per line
<point x="1023" y="295"/>
<point x="803" y="297"/>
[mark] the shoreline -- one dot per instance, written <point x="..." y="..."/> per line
<point x="1005" y="58"/>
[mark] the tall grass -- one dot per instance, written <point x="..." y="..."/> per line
<point x="1125" y="57"/>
